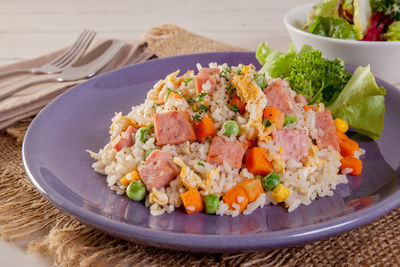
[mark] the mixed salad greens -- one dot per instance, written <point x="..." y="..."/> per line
<point x="355" y="98"/>
<point x="368" y="20"/>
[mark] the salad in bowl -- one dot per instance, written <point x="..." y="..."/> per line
<point x="366" y="20"/>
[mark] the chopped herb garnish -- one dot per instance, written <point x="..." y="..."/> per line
<point x="266" y="123"/>
<point x="200" y="163"/>
<point x="151" y="126"/>
<point x="211" y="73"/>
<point x="239" y="72"/>
<point x="188" y="81"/>
<point x="233" y="107"/>
<point x="231" y="90"/>
<point x="171" y="91"/>
<point x="155" y="105"/>
<point x="203" y="108"/>
<point x="197" y="117"/>
<point x="167" y="95"/>
<point x="224" y="73"/>
<point x="200" y="97"/>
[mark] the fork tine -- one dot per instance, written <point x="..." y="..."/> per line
<point x="79" y="51"/>
<point x="77" y="41"/>
<point x="75" y="48"/>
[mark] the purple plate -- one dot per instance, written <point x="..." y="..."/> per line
<point x="57" y="164"/>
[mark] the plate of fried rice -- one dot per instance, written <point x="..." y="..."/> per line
<point x="203" y="152"/>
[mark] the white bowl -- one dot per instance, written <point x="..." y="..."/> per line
<point x="384" y="57"/>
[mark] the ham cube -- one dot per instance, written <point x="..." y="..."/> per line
<point x="158" y="170"/>
<point x="293" y="143"/>
<point x="126" y="138"/>
<point x="231" y="152"/>
<point x="326" y="130"/>
<point x="301" y="99"/>
<point x="206" y="74"/>
<point x="173" y="128"/>
<point x="278" y="96"/>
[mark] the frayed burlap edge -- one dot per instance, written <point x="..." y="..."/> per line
<point x="25" y="214"/>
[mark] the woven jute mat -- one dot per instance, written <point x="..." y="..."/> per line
<point x="26" y="215"/>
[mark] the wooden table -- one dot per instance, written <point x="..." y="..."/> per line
<point x="32" y="28"/>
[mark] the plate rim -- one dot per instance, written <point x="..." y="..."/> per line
<point x="185" y="241"/>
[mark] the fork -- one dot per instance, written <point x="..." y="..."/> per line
<point x="69" y="57"/>
<point x="86" y="67"/>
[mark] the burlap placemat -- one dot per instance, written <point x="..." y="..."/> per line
<point x="25" y="214"/>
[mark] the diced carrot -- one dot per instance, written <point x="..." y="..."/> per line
<point x="308" y="107"/>
<point x="274" y="116"/>
<point x="256" y="161"/>
<point x="341" y="136"/>
<point x="353" y="163"/>
<point x="192" y="201"/>
<point x="204" y="128"/>
<point x="347" y="146"/>
<point x="252" y="187"/>
<point x="161" y="97"/>
<point x="236" y="195"/>
<point x="238" y="102"/>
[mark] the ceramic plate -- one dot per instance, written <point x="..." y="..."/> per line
<point x="57" y="164"/>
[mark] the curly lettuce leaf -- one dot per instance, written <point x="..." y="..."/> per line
<point x="361" y="103"/>
<point x="327" y="8"/>
<point x="332" y="27"/>
<point x="393" y="32"/>
<point x="275" y="62"/>
<point x="267" y="55"/>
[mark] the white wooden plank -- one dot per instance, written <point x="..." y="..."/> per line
<point x="128" y="6"/>
<point x="42" y="43"/>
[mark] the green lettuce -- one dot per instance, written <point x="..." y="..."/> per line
<point x="327" y="8"/>
<point x="267" y="55"/>
<point x="332" y="27"/>
<point x="393" y="32"/>
<point x="361" y="103"/>
<point x="275" y="62"/>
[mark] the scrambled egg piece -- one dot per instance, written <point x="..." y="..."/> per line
<point x="251" y="93"/>
<point x="158" y="197"/>
<point x="188" y="176"/>
<point x="212" y="176"/>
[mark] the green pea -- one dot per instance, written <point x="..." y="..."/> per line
<point x="258" y="177"/>
<point x="136" y="191"/>
<point x="212" y="203"/>
<point x="231" y="128"/>
<point x="271" y="181"/>
<point x="289" y="119"/>
<point x="147" y="153"/>
<point x="144" y="132"/>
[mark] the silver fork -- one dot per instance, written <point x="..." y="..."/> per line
<point x="86" y="67"/>
<point x="69" y="57"/>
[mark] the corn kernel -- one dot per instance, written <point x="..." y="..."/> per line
<point x="132" y="176"/>
<point x="341" y="125"/>
<point x="280" y="193"/>
<point x="245" y="69"/>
